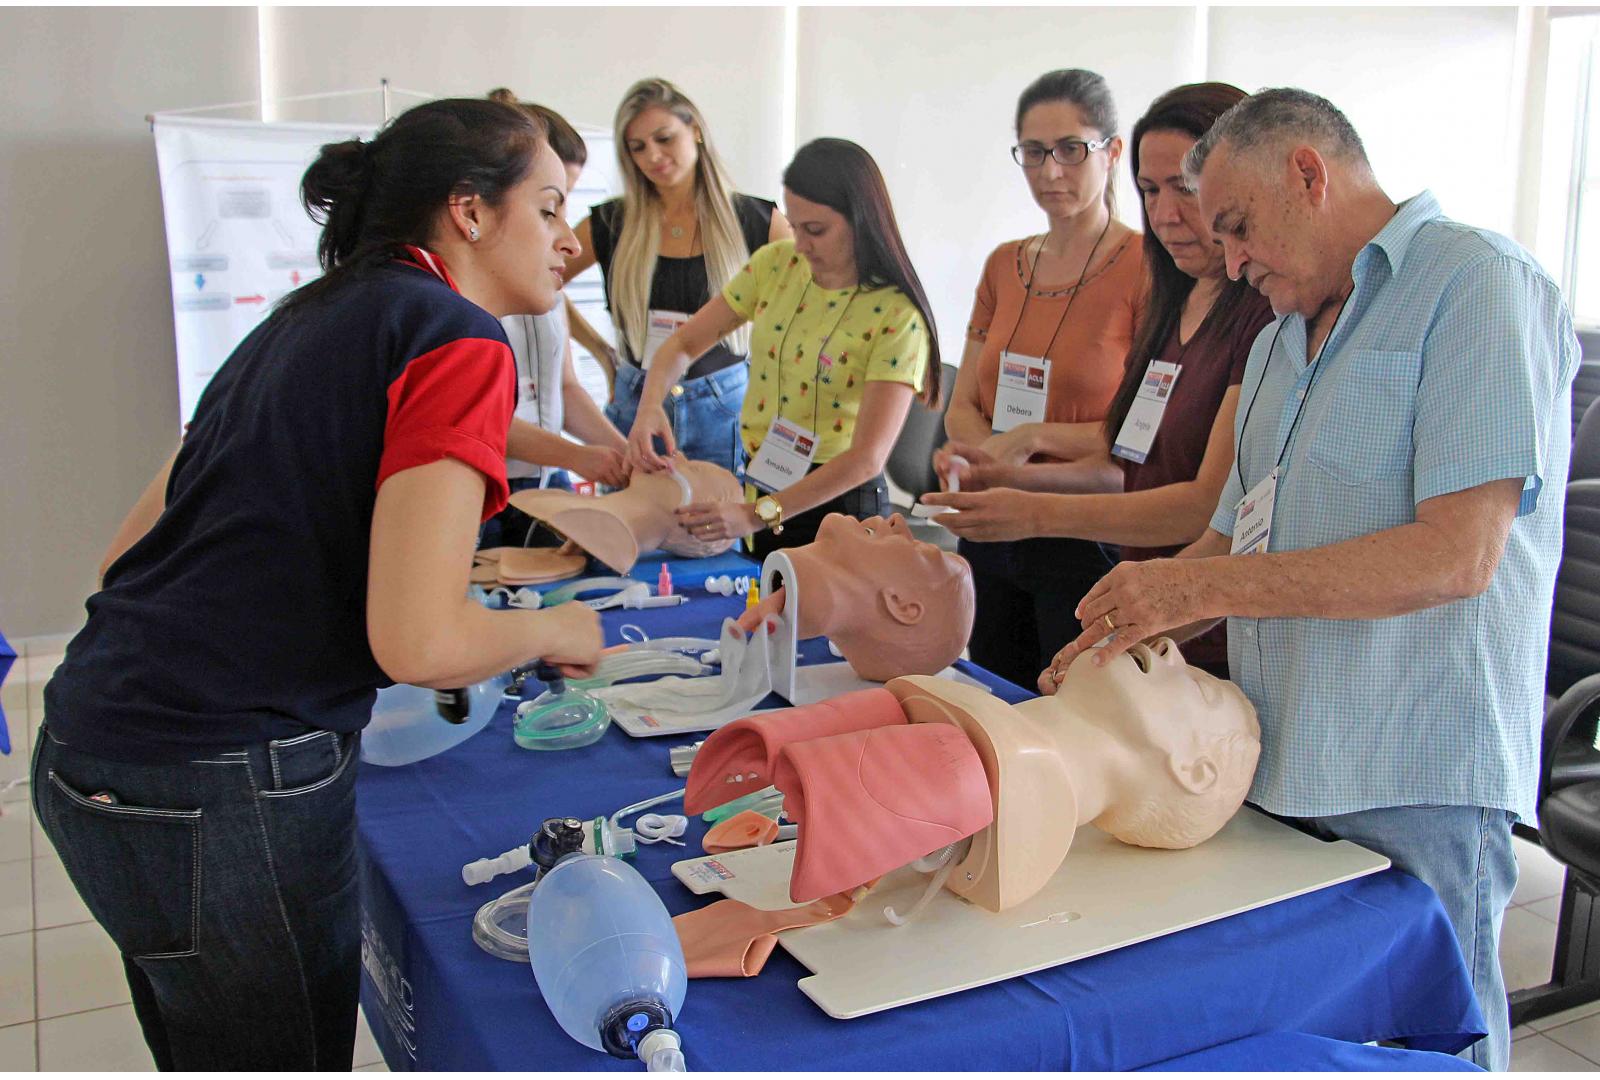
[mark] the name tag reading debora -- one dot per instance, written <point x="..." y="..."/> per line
<point x="784" y="456"/>
<point x="1022" y="390"/>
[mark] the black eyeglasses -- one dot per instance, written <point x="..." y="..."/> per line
<point x="1067" y="152"/>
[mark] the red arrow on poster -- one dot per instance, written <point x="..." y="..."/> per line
<point x="249" y="299"/>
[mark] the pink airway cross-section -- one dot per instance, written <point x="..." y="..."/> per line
<point x="868" y="802"/>
<point x="750" y="747"/>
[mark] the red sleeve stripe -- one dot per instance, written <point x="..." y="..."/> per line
<point x="454" y="401"/>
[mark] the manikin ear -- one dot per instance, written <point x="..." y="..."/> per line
<point x="467" y="212"/>
<point x="1309" y="170"/>
<point x="901" y="608"/>
<point x="1197" y="776"/>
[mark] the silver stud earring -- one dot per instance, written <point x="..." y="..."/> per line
<point x="472" y="233"/>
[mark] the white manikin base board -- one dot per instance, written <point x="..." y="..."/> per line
<point x="813" y="682"/>
<point x="1105" y="896"/>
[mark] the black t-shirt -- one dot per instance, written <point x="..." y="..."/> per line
<point x="241" y="615"/>
<point x="679" y="284"/>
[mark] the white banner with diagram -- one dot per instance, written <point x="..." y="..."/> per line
<point x="238" y="238"/>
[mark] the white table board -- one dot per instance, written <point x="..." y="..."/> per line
<point x="1105" y="896"/>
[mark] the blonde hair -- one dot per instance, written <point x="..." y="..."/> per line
<point x="633" y="263"/>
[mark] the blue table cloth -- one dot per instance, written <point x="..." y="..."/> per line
<point x="1310" y="1053"/>
<point x="8" y="656"/>
<point x="1368" y="960"/>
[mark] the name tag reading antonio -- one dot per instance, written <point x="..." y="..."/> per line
<point x="1020" y="396"/>
<point x="784" y="456"/>
<point x="1252" y="523"/>
<point x="1138" y="432"/>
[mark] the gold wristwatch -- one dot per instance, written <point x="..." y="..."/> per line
<point x="770" y="511"/>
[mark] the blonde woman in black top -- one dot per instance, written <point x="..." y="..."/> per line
<point x="675" y="238"/>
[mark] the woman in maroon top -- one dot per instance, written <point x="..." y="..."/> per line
<point x="1197" y="321"/>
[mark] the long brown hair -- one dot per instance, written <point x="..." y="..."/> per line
<point x="843" y="177"/>
<point x="1191" y="110"/>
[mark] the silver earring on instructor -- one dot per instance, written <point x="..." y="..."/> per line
<point x="472" y="233"/>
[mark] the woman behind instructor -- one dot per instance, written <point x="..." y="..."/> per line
<point x="673" y="240"/>
<point x="842" y="339"/>
<point x="309" y="542"/>
<point x="1050" y="329"/>
<point x="1195" y="335"/>
<point x="550" y="399"/>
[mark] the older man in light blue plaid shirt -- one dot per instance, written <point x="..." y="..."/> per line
<point x="1404" y="425"/>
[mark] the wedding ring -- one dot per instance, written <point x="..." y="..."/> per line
<point x="1109" y="624"/>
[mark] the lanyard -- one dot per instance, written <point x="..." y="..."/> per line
<point x="1027" y="291"/>
<point x="1238" y="451"/>
<point x="783" y="345"/>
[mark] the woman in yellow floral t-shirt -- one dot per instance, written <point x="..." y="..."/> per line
<point x="841" y="340"/>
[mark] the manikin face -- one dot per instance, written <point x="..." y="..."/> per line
<point x="1182" y="744"/>
<point x="1264" y="217"/>
<point x="526" y="241"/>
<point x="1171" y="205"/>
<point x="824" y="238"/>
<point x="663" y="147"/>
<point x="892" y="604"/>
<point x="1064" y="191"/>
<point x="1150" y="697"/>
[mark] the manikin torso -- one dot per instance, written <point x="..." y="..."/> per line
<point x="616" y="528"/>
<point x="1156" y="752"/>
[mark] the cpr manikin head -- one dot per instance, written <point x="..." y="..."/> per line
<point x="1153" y="751"/>
<point x="1179" y="744"/>
<point x="615" y="528"/>
<point x="892" y="604"/>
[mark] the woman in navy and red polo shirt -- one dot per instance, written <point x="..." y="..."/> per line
<point x="309" y="542"/>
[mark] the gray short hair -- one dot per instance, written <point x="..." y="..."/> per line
<point x="1269" y="117"/>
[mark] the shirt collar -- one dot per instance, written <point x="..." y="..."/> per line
<point x="423" y="259"/>
<point x="1394" y="239"/>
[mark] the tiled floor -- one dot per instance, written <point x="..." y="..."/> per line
<point x="64" y="1003"/>
<point x="63" y="999"/>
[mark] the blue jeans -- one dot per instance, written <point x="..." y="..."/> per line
<point x="1464" y="853"/>
<point x="704" y="418"/>
<point x="229" y="885"/>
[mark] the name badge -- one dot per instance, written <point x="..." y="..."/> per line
<point x="659" y="326"/>
<point x="1252" y="523"/>
<point x="528" y="401"/>
<point x="1144" y="415"/>
<point x="1020" y="396"/>
<point x="784" y="456"/>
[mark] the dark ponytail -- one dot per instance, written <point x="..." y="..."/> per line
<point x="843" y="177"/>
<point x="373" y="198"/>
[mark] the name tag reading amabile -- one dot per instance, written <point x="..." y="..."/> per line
<point x="784" y="456"/>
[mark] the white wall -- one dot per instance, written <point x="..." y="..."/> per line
<point x="88" y="399"/>
<point x="932" y="94"/>
<point x="576" y="60"/>
<point x="88" y="382"/>
<point x="1429" y="89"/>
